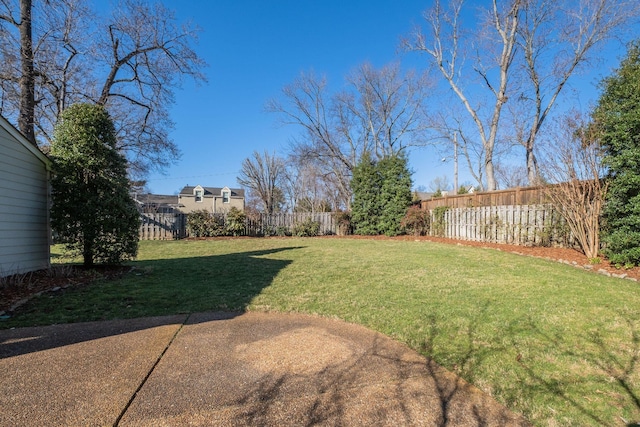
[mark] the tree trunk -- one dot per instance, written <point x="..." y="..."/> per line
<point x="87" y="253"/>
<point x="27" y="79"/>
<point x="491" y="180"/>
<point x="532" y="165"/>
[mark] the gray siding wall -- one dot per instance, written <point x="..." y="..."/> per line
<point x="24" y="208"/>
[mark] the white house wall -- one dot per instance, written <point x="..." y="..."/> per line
<point x="24" y="204"/>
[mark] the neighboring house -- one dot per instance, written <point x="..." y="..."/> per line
<point x="211" y="199"/>
<point x="422" y="195"/>
<point x="157" y="203"/>
<point x="24" y="203"/>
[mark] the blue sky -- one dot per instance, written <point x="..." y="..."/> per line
<point x="254" y="48"/>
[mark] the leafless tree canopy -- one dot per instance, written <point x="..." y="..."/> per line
<point x="521" y="55"/>
<point x="510" y="175"/>
<point x="262" y="174"/>
<point x="380" y="111"/>
<point x="306" y="189"/>
<point x="440" y="183"/>
<point x="448" y="46"/>
<point x="558" y="39"/>
<point x="130" y="61"/>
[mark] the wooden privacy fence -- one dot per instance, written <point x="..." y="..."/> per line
<point x="539" y="225"/>
<point x="163" y="226"/>
<point x="284" y="223"/>
<point x="170" y="226"/>
<point x="513" y="196"/>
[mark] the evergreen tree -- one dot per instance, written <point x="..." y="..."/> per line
<point x="93" y="213"/>
<point x="395" y="193"/>
<point x="617" y="123"/>
<point x="381" y="195"/>
<point x="365" y="185"/>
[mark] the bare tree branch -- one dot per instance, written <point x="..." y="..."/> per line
<point x="557" y="39"/>
<point x="381" y="111"/>
<point x="130" y="61"/>
<point x="262" y="174"/>
<point x="574" y="171"/>
<point x="445" y="35"/>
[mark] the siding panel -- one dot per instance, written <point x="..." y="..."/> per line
<point x="24" y="218"/>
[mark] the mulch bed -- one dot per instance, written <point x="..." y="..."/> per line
<point x="18" y="289"/>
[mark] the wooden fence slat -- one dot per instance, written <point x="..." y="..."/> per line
<point x="513" y="224"/>
<point x="168" y="226"/>
<point x="520" y="225"/>
<point x="509" y="197"/>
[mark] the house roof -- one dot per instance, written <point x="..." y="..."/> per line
<point x="211" y="191"/>
<point x="4" y="123"/>
<point x="423" y="195"/>
<point x="157" y="199"/>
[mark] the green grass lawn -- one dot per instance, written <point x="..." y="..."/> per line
<point x="555" y="343"/>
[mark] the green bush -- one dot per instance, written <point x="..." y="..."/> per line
<point x="416" y="221"/>
<point x="282" y="231"/>
<point x="366" y="206"/>
<point x="395" y="193"/>
<point x="203" y="223"/>
<point x="343" y="221"/>
<point x="381" y="194"/>
<point x="307" y="228"/>
<point x="236" y="222"/>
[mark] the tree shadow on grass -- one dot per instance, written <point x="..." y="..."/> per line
<point x="547" y="368"/>
<point x="164" y="289"/>
<point x="613" y="366"/>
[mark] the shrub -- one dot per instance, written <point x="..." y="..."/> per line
<point x="381" y="194"/>
<point x="416" y="221"/>
<point x="236" y="222"/>
<point x="366" y="206"/>
<point x="307" y="228"/>
<point x="395" y="193"/>
<point x="282" y="231"/>
<point x="204" y="224"/>
<point x="343" y="220"/>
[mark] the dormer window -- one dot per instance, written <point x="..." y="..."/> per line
<point x="226" y="194"/>
<point x="198" y="193"/>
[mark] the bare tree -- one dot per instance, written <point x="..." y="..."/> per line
<point x="510" y="175"/>
<point x="448" y="45"/>
<point x="440" y="183"/>
<point x="305" y="187"/>
<point x="307" y="106"/>
<point x="573" y="169"/>
<point x="383" y="108"/>
<point x="262" y="174"/>
<point x="557" y="40"/>
<point x="523" y="52"/>
<point x="381" y="112"/>
<point x="130" y="62"/>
